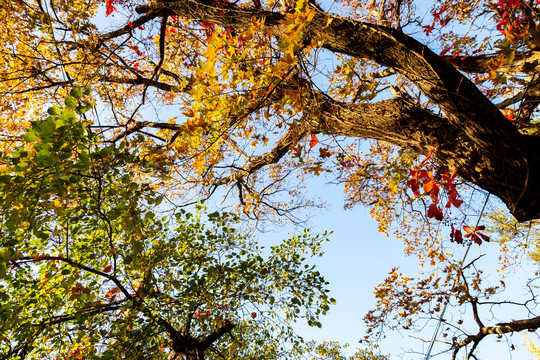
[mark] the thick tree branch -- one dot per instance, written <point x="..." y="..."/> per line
<point x="521" y="64"/>
<point x="492" y="153"/>
<point x="225" y="328"/>
<point x="286" y="143"/>
<point x="505" y="328"/>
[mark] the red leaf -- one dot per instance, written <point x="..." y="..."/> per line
<point x="130" y="24"/>
<point x="206" y="24"/>
<point x="424" y="174"/>
<point x="313" y="141"/>
<point x="435" y="211"/>
<point x="413" y="184"/>
<point x="453" y="200"/>
<point x="456" y="236"/>
<point x="109" y="8"/>
<point x="457" y="203"/>
<point x="107" y="269"/>
<point x="459" y="237"/>
<point x="484" y="237"/>
<point x="253" y="315"/>
<point x="434" y="194"/>
<point x="428" y="29"/>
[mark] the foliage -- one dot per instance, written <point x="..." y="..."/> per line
<point x="258" y="96"/>
<point x="332" y="350"/>
<point x="90" y="269"/>
<point x="532" y="348"/>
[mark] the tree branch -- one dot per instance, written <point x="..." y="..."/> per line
<point x="504" y="328"/>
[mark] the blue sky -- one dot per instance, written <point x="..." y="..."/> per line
<point x="358" y="257"/>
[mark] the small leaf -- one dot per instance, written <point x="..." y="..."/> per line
<point x="468" y="229"/>
<point x="76" y="93"/>
<point x="31" y="136"/>
<point x="112" y="292"/>
<point x="435" y="211"/>
<point x="70" y="102"/>
<point x="314" y="141"/>
<point x="54" y="110"/>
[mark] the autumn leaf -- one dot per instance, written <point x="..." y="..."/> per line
<point x="435" y="211"/>
<point x="112" y="292"/>
<point x="316" y="169"/>
<point x="324" y="153"/>
<point x="475" y="234"/>
<point x="456" y="235"/>
<point x="313" y="141"/>
<point x="109" y="8"/>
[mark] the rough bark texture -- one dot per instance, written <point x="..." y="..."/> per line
<point x="473" y="136"/>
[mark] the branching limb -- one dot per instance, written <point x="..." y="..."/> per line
<point x="127" y="29"/>
<point x="286" y="143"/>
<point x="502" y="328"/>
<point x="78" y="265"/>
<point x="138" y="126"/>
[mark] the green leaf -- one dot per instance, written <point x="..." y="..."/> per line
<point x="54" y="110"/>
<point x="22" y="165"/>
<point x="70" y="102"/>
<point x="87" y="90"/>
<point x="31" y="136"/>
<point x="5" y="178"/>
<point x="106" y="151"/>
<point x="47" y="127"/>
<point x="76" y="93"/>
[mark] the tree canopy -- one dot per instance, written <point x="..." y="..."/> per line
<point x="96" y="273"/>
<point x="195" y="96"/>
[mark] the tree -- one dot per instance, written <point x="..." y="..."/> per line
<point x="90" y="270"/>
<point x="251" y="92"/>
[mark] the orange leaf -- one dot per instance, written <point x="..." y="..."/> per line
<point x="313" y="141"/>
<point x="112" y="292"/>
<point x="468" y="229"/>
<point x="428" y="185"/>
